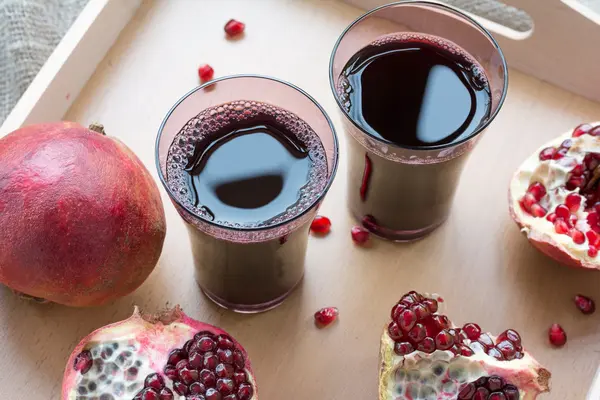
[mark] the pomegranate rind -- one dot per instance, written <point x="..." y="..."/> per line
<point x="86" y="219"/>
<point x="525" y="373"/>
<point x="157" y="334"/>
<point x="539" y="231"/>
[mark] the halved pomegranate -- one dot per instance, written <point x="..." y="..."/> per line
<point x="164" y="357"/>
<point x="555" y="197"/>
<point x="425" y="356"/>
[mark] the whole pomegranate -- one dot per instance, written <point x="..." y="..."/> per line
<point x="555" y="197"/>
<point x="425" y="356"/>
<point x="163" y="357"/>
<point x="81" y="219"/>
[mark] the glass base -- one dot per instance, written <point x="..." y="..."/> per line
<point x="401" y="236"/>
<point x="248" y="308"/>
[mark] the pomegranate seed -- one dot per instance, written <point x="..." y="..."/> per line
<point x="566" y="144"/>
<point x="225" y="386"/>
<point x="403" y="348"/>
<point x="557" y="335"/>
<point x="577" y="236"/>
<point x="396" y="310"/>
<point x="595" y="131"/>
<point x="239" y="377"/>
<point x="208" y="378"/>
<point x="359" y="234"/>
<point x="538" y="211"/>
<point x="212" y="394"/>
<point x="326" y="316"/>
<point x="511" y="392"/>
<point x="575" y="182"/>
<point x="239" y="360"/>
<point x="592" y="218"/>
<point x="528" y="201"/>
<point x="560" y="153"/>
<point x="507" y="348"/>
<point x="538" y="190"/>
<point x="431" y="304"/>
<point x="585" y="304"/>
<point x="597" y="207"/>
<point x="561" y="226"/>
<point x="551" y="217"/>
<point x="234" y="27"/>
<point x="441" y="321"/>
<point x="421" y="311"/>
<point x="166" y="394"/>
<point x="206" y="72"/>
<point x="180" y="388"/>
<point x="197" y="388"/>
<point x="472" y="330"/>
<point x="444" y="340"/>
<point x="149" y="394"/>
<point x="593" y="237"/>
<point x="427" y="345"/>
<point x="417" y="333"/>
<point x="154" y="381"/>
<point x="83" y="362"/>
<point x="592" y="251"/>
<point x="511" y="335"/>
<point x="225" y="356"/>
<point x="562" y="211"/>
<point x="225" y="342"/>
<point x="547" y="153"/>
<point x="321" y="225"/>
<point x="497" y="396"/>
<point x="224" y="371"/>
<point x="573" y="201"/>
<point x="582" y="130"/>
<point x="572" y="220"/>
<point x="364" y="186"/>
<point x="481" y="394"/>
<point x="578" y="170"/>
<point x="466" y="351"/>
<point x="245" y="392"/>
<point x="486" y="341"/>
<point x="494" y="352"/>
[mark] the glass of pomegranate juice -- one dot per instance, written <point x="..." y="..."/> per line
<point x="417" y="83"/>
<point x="246" y="161"/>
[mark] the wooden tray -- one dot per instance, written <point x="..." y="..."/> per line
<point x="478" y="260"/>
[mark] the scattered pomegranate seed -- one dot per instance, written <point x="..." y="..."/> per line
<point x="206" y="72"/>
<point x="585" y="304"/>
<point x="578" y="236"/>
<point x="573" y="202"/>
<point x="234" y="27"/>
<point x="547" y="153"/>
<point x="538" y="190"/>
<point x="321" y="224"/>
<point x="326" y="316"/>
<point x="561" y="227"/>
<point x="582" y="130"/>
<point x="557" y="335"/>
<point x="359" y="234"/>
<point x="538" y="211"/>
<point x="551" y="217"/>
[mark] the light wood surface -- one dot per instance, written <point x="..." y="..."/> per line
<point x="478" y="260"/>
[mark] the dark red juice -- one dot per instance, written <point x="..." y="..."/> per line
<point x="415" y="92"/>
<point x="247" y="166"/>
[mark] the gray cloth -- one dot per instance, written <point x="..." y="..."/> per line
<point x="29" y="32"/>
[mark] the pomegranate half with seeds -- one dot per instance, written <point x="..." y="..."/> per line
<point x="425" y="356"/>
<point x="555" y="197"/>
<point x="159" y="357"/>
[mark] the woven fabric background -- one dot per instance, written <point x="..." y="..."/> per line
<point x="31" y="29"/>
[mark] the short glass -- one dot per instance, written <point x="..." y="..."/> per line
<point x="248" y="269"/>
<point x="403" y="193"/>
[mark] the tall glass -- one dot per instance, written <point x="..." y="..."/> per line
<point x="240" y="268"/>
<point x="402" y="193"/>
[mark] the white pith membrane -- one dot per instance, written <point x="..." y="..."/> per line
<point x="554" y="174"/>
<point x="126" y="352"/>
<point x="441" y="375"/>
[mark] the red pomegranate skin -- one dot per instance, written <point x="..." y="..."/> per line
<point x="81" y="219"/>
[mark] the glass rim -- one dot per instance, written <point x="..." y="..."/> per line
<point x="335" y="159"/>
<point x="483" y="30"/>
